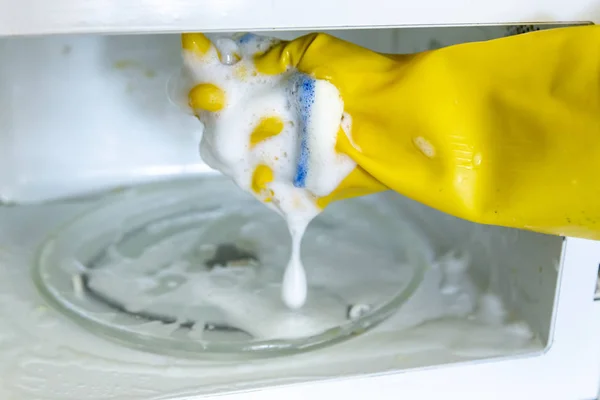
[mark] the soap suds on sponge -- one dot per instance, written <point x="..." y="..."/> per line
<point x="274" y="136"/>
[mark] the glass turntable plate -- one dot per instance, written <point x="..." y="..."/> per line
<point x="194" y="268"/>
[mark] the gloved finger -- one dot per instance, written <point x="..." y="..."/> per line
<point x="198" y="44"/>
<point x="283" y="55"/>
<point x="323" y="57"/>
<point x="206" y="95"/>
<point x="262" y="176"/>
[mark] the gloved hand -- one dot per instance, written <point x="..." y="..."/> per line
<point x="503" y="132"/>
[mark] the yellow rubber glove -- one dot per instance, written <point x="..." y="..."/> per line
<point x="503" y="132"/>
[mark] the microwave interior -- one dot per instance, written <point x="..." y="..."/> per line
<point x="94" y="141"/>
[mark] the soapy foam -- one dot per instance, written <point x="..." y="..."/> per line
<point x="302" y="156"/>
<point x="163" y="278"/>
<point x="160" y="269"/>
<point x="321" y="112"/>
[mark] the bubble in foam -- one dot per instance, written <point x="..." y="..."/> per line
<point x="229" y="51"/>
